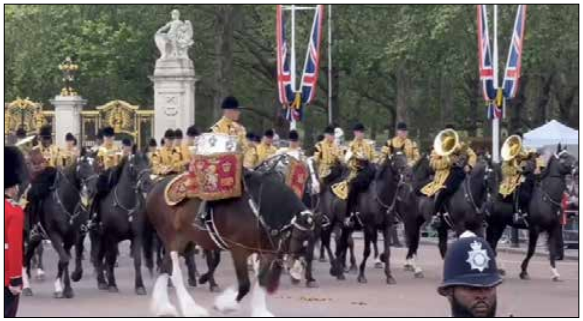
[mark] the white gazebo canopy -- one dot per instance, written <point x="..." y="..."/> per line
<point x="551" y="133"/>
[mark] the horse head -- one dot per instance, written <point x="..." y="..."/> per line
<point x="138" y="169"/>
<point x="86" y="175"/>
<point x="567" y="163"/>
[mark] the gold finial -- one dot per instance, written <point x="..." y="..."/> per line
<point x="69" y="68"/>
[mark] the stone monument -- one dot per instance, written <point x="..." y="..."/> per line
<point x="68" y="105"/>
<point x="174" y="78"/>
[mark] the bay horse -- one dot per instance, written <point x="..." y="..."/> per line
<point x="63" y="217"/>
<point x="544" y="210"/>
<point x="268" y="219"/>
<point x="120" y="217"/>
<point x="466" y="208"/>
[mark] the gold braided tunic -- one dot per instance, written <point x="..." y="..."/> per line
<point x="326" y="155"/>
<point x="442" y="167"/>
<point x="164" y="161"/>
<point x="108" y="156"/>
<point x="512" y="172"/>
<point x="233" y="128"/>
<point x="50" y="154"/>
<point x="408" y="146"/>
<point x="264" y="151"/>
<point x="360" y="150"/>
<point x="67" y="156"/>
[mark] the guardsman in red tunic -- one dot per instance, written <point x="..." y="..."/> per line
<point x="13" y="230"/>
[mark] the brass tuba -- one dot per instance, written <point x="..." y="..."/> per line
<point x="511" y="148"/>
<point x="445" y="142"/>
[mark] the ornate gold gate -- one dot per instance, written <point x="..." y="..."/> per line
<point x="126" y="119"/>
<point x="26" y="114"/>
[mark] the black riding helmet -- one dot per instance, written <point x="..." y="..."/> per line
<point x="470" y="261"/>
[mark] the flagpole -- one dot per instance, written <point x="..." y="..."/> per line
<point x="292" y="124"/>
<point x="330" y="117"/>
<point x="496" y="120"/>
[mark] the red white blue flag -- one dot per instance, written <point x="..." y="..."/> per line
<point x="485" y="55"/>
<point x="512" y="73"/>
<point x="312" y="63"/>
<point x="284" y="85"/>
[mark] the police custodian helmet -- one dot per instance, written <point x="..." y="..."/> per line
<point x="470" y="261"/>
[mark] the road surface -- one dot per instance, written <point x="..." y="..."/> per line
<point x="410" y="297"/>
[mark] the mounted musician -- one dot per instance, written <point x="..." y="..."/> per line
<point x="519" y="166"/>
<point x="167" y="160"/>
<point x="265" y="149"/>
<point x="400" y="143"/>
<point x="451" y="159"/>
<point x="327" y="154"/>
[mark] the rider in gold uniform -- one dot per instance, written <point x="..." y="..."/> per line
<point x="359" y="156"/>
<point x="108" y="154"/>
<point x="327" y="154"/>
<point x="165" y="160"/>
<point x="49" y="151"/>
<point x="294" y="145"/>
<point x="265" y="149"/>
<point x="69" y="154"/>
<point x="401" y="143"/>
<point x="450" y="171"/>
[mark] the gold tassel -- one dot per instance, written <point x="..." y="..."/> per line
<point x="499" y="97"/>
<point x="297" y="101"/>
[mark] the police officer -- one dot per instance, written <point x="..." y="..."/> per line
<point x="470" y="277"/>
<point x="13" y="230"/>
<point x="327" y="153"/>
<point x="401" y="143"/>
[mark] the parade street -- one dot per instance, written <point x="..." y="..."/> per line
<point x="539" y="297"/>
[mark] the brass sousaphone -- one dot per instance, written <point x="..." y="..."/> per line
<point x="511" y="148"/>
<point x="445" y="142"/>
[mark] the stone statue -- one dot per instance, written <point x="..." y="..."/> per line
<point x="174" y="39"/>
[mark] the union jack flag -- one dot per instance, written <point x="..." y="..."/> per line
<point x="485" y="55"/>
<point x="312" y="63"/>
<point x="284" y="85"/>
<point x="512" y="73"/>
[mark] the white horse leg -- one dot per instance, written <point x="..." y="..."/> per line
<point x="227" y="301"/>
<point x="40" y="274"/>
<point x="416" y="268"/>
<point x="259" y="302"/>
<point x="187" y="305"/>
<point x="556" y="275"/>
<point x="58" y="287"/>
<point x="161" y="306"/>
<point x="26" y="290"/>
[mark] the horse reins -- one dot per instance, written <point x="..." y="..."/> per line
<point x="137" y="189"/>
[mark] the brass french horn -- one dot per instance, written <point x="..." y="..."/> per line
<point x="445" y="142"/>
<point x="511" y="148"/>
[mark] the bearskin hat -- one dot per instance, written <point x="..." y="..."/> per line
<point x="14" y="162"/>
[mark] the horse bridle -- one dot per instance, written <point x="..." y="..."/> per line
<point x="142" y="175"/>
<point x="467" y="186"/>
<point x="78" y="209"/>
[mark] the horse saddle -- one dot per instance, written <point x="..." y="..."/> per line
<point x="176" y="191"/>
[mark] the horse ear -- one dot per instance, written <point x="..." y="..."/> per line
<point x="559" y="148"/>
<point x="83" y="152"/>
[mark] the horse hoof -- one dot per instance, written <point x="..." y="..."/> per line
<point x="214" y="288"/>
<point x="340" y="277"/>
<point x="226" y="302"/>
<point x="40" y="276"/>
<point x="203" y="279"/>
<point x="68" y="293"/>
<point x="408" y="268"/>
<point x="378" y="265"/>
<point x="294" y="281"/>
<point x="76" y="276"/>
<point x="141" y="290"/>
<point x="27" y="292"/>
<point x="362" y="279"/>
<point x="524" y="276"/>
<point x="262" y="313"/>
<point x="112" y="289"/>
<point x="312" y="284"/>
<point x="556" y="279"/>
<point x="419" y="275"/>
<point x="102" y="286"/>
<point x="58" y="295"/>
<point x="502" y="272"/>
<point x="391" y="280"/>
<point x="192" y="282"/>
<point x="195" y="311"/>
<point x="322" y="259"/>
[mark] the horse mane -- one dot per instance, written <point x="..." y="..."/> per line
<point x="116" y="172"/>
<point x="547" y="170"/>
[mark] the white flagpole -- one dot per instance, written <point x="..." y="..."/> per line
<point x="330" y="64"/>
<point x="292" y="124"/>
<point x="496" y="120"/>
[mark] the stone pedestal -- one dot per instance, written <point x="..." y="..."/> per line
<point x="67" y="117"/>
<point x="174" y="87"/>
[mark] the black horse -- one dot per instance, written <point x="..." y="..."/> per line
<point x="376" y="204"/>
<point x="466" y="209"/>
<point x="63" y="215"/>
<point x="544" y="210"/>
<point x="120" y="217"/>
